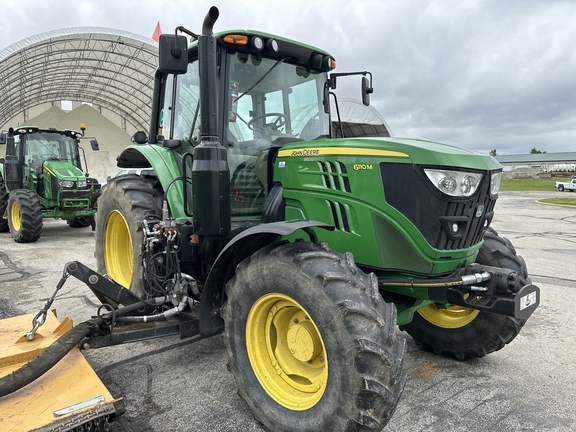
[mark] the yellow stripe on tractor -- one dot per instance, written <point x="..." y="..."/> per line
<point x="341" y="151"/>
<point x="67" y="396"/>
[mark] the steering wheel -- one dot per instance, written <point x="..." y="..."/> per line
<point x="49" y="157"/>
<point x="276" y="124"/>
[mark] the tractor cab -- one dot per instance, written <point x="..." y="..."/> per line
<point x="271" y="103"/>
<point x="47" y="150"/>
<point x="272" y="92"/>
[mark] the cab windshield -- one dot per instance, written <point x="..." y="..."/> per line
<point x="271" y="103"/>
<point x="38" y="147"/>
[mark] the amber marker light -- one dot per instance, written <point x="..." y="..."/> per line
<point x="236" y="39"/>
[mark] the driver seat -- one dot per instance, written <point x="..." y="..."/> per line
<point x="246" y="187"/>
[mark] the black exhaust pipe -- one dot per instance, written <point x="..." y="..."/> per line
<point x="209" y="20"/>
<point x="12" y="172"/>
<point x="210" y="171"/>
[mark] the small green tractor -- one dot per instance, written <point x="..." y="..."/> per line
<point x="42" y="177"/>
<point x="304" y="250"/>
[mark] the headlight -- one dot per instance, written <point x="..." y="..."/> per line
<point x="454" y="183"/>
<point x="67" y="184"/>
<point x="82" y="184"/>
<point x="495" y="183"/>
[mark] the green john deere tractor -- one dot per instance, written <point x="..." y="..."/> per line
<point x="305" y="250"/>
<point x="42" y="177"/>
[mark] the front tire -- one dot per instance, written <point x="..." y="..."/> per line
<point x="124" y="203"/>
<point x="465" y="333"/>
<point x="310" y="341"/>
<point x="24" y="216"/>
<point x="81" y="222"/>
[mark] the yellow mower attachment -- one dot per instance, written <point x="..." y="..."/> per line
<point x="67" y="397"/>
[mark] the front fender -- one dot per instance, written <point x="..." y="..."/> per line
<point x="166" y="167"/>
<point x="236" y="250"/>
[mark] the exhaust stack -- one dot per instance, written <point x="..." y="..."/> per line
<point x="210" y="172"/>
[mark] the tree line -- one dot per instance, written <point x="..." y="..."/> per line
<point x="533" y="151"/>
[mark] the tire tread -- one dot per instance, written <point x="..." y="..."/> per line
<point x="378" y="353"/>
<point x="30" y="216"/>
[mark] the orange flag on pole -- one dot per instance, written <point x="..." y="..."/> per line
<point x="157" y="32"/>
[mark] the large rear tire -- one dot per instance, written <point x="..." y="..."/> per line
<point x="465" y="333"/>
<point x="124" y="203"/>
<point x="310" y="341"/>
<point x="24" y="216"/>
<point x="3" y="204"/>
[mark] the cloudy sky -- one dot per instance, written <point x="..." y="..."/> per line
<point x="479" y="74"/>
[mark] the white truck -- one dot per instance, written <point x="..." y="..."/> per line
<point x="571" y="185"/>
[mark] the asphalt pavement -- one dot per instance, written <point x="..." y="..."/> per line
<point x="176" y="385"/>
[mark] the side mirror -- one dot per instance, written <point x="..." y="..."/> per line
<point x="2" y="160"/>
<point x="94" y="144"/>
<point x="366" y="91"/>
<point x="173" y="54"/>
<point x="2" y="138"/>
<point x="326" y="100"/>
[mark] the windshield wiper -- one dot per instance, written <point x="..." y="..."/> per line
<point x="261" y="78"/>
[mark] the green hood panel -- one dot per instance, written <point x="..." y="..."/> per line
<point x="341" y="182"/>
<point x="419" y="152"/>
<point x="63" y="170"/>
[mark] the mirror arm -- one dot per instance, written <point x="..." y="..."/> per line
<point x="185" y="30"/>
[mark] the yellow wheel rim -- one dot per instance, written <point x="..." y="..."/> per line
<point x="286" y="352"/>
<point x="451" y="318"/>
<point x="15" y="216"/>
<point x="118" y="251"/>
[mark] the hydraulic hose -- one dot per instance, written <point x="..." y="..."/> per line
<point x="42" y="363"/>
<point x="158" y="317"/>
<point x="46" y="360"/>
<point x="435" y="283"/>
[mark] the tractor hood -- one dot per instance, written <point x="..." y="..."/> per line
<point x="416" y="151"/>
<point x="63" y="170"/>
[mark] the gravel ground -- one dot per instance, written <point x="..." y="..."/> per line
<point x="172" y="384"/>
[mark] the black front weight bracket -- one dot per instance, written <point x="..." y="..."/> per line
<point x="519" y="306"/>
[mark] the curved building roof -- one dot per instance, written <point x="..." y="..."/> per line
<point x="106" y="67"/>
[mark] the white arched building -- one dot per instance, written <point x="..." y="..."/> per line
<point x="112" y="70"/>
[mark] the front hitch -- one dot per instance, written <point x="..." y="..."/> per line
<point x="504" y="292"/>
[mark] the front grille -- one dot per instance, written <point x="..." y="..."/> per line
<point x="75" y="194"/>
<point x="408" y="191"/>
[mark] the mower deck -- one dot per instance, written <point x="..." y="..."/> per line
<point x="67" y="396"/>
